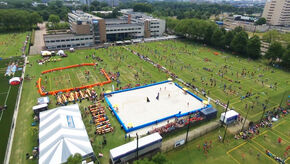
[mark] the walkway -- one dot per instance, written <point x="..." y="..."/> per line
<point x="38" y="40"/>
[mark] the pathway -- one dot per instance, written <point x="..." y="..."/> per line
<point x="38" y="40"/>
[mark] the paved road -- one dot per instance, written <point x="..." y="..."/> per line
<point x="38" y="41"/>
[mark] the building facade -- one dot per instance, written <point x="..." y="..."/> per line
<point x="90" y="30"/>
<point x="277" y="12"/>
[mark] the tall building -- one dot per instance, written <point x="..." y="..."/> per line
<point x="277" y="12"/>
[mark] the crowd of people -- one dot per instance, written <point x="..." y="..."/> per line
<point x="267" y="122"/>
<point x="177" y="124"/>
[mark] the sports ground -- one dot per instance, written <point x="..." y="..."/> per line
<point x="8" y="95"/>
<point x="11" y="44"/>
<point x="147" y="106"/>
<point x="192" y="63"/>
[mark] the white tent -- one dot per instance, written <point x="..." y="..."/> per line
<point x="60" y="52"/>
<point x="231" y="116"/>
<point x="61" y="134"/>
<point x="45" y="53"/>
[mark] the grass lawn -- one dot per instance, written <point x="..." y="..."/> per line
<point x="8" y="93"/>
<point x="11" y="44"/>
<point x="114" y="59"/>
<point x="198" y="65"/>
<point x="172" y="55"/>
<point x="233" y="151"/>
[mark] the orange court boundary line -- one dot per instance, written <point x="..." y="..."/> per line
<point x="71" y="89"/>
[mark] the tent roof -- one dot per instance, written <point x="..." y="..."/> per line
<point x="208" y="111"/>
<point x="43" y="100"/>
<point x="61" y="134"/>
<point x="131" y="146"/>
<point x="230" y="114"/>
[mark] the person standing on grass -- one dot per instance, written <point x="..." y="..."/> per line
<point x="279" y="140"/>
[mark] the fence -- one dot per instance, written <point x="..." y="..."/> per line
<point x="168" y="145"/>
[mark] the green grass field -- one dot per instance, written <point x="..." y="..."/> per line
<point x="235" y="151"/>
<point x="118" y="59"/>
<point x="114" y="59"/>
<point x="8" y="95"/>
<point x="187" y="60"/>
<point x="11" y="44"/>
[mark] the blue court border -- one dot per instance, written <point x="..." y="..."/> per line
<point x="178" y="115"/>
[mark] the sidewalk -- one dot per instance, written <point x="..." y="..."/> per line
<point x="38" y="40"/>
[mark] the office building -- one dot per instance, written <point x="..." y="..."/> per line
<point x="87" y="30"/>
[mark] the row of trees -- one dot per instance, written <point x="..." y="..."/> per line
<point x="54" y="7"/>
<point x="209" y="33"/>
<point x="277" y="54"/>
<point x="184" y="10"/>
<point x="18" y="20"/>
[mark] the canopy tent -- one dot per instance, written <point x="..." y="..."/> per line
<point x="45" y="53"/>
<point x="209" y="113"/>
<point x="230" y="117"/>
<point x="43" y="100"/>
<point x="61" y="134"/>
<point x="15" y="81"/>
<point x="60" y="52"/>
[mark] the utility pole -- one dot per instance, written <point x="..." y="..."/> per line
<point x="264" y="109"/>
<point x="282" y="99"/>
<point x="188" y="127"/>
<point x="225" y="113"/>
<point x="224" y="121"/>
<point x="245" y="119"/>
<point x="137" y="145"/>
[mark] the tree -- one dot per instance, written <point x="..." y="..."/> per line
<point x="239" y="43"/>
<point x="74" y="159"/>
<point x="271" y="36"/>
<point x="209" y="29"/>
<point x="228" y="38"/>
<point x="142" y="7"/>
<point x="159" y="159"/>
<point x="274" y="52"/>
<point x="261" y="21"/>
<point x="238" y="29"/>
<point x="53" y="19"/>
<point x="218" y="38"/>
<point x="254" y="47"/>
<point x="286" y="58"/>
